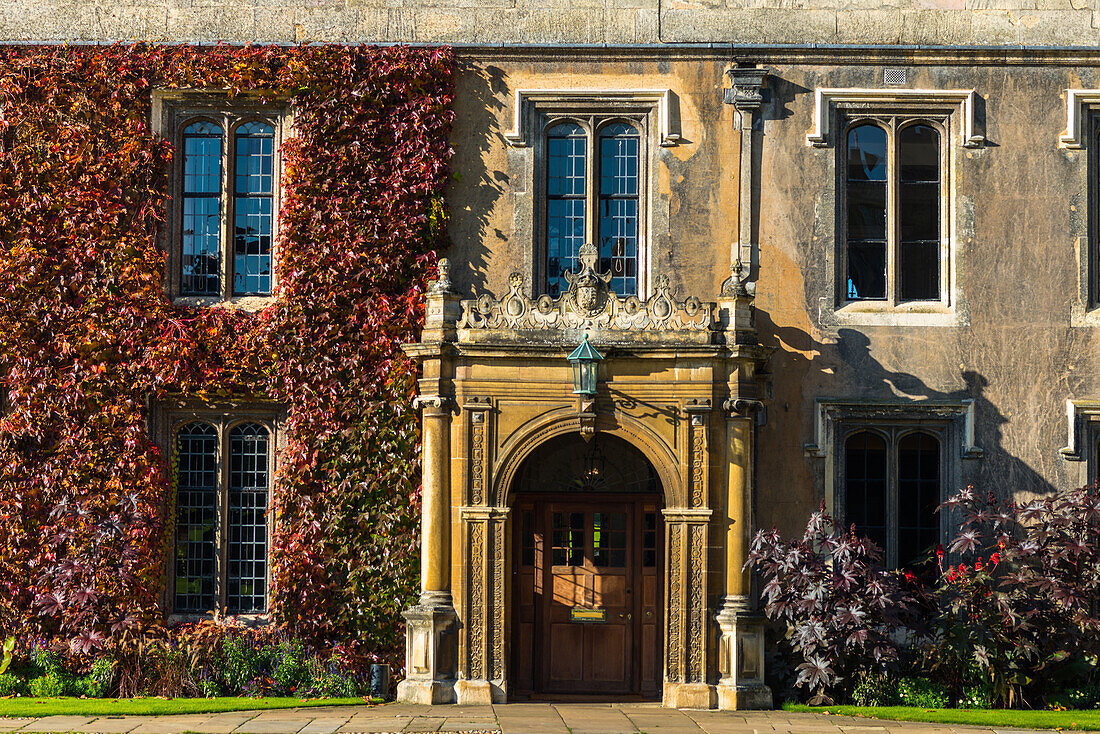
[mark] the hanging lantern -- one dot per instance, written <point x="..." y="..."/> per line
<point x="584" y="360"/>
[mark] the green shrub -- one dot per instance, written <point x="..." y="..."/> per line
<point x="242" y="664"/>
<point x="1082" y="698"/>
<point x="99" y="680"/>
<point x="289" y="667"/>
<point x="50" y="685"/>
<point x="12" y="685"/>
<point x="330" y="681"/>
<point x="922" y="693"/>
<point x="875" y="689"/>
<point x="977" y="697"/>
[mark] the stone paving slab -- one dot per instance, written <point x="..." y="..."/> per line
<point x="517" y="718"/>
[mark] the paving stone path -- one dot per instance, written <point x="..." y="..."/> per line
<point x="513" y="718"/>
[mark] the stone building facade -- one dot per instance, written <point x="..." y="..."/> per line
<point x="837" y="251"/>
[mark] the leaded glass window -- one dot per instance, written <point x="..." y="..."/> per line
<point x="619" y="206"/>
<point x="253" y="221"/>
<point x="223" y="479"/>
<point x="918" y="496"/>
<point x="892" y="487"/>
<point x="893" y="184"/>
<point x="196" y="517"/>
<point x="248" y="477"/>
<point x="229" y="183"/>
<point x="566" y="202"/>
<point x="202" y="209"/>
<point x="865" y="474"/>
<point x="593" y="194"/>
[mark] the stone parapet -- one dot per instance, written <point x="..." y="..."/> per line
<point x="917" y="22"/>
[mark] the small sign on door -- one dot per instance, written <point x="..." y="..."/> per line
<point x="577" y="614"/>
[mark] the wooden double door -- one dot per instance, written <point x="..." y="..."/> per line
<point x="586" y="595"/>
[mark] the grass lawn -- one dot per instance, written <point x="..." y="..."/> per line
<point x="1089" y="720"/>
<point x="23" y="707"/>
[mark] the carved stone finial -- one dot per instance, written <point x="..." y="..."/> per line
<point x="734" y="285"/>
<point x="442" y="284"/>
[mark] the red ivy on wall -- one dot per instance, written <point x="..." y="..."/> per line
<point x="88" y="340"/>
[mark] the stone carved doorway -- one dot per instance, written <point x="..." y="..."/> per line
<point x="587" y="571"/>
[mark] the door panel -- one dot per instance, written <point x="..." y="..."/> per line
<point x="596" y="631"/>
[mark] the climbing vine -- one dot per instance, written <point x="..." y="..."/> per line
<point x="90" y="344"/>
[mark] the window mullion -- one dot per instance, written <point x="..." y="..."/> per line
<point x="591" y="184"/>
<point x="892" y="520"/>
<point x="227" y="211"/>
<point x="893" y="232"/>
<point x="223" y="518"/>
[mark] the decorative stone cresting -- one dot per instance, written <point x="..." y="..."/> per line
<point x="589" y="303"/>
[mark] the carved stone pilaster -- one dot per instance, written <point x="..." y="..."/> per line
<point x="741" y="659"/>
<point x="483" y="668"/>
<point x="698" y="479"/>
<point x="686" y="663"/>
<point x="478" y="409"/>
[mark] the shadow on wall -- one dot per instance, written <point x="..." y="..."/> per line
<point x="805" y="368"/>
<point x="474" y="189"/>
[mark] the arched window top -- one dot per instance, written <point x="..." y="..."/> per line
<point x="247" y="431"/>
<point x="866" y="440"/>
<point x="565" y="130"/>
<point x="867" y="157"/>
<point x="919" y="441"/>
<point x="618" y="130"/>
<point x="919" y="153"/>
<point x="197" y="429"/>
<point x="203" y="127"/>
<point x="256" y="128"/>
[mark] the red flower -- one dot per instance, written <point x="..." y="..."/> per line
<point x="995" y="558"/>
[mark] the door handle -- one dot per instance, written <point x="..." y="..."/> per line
<point x="625" y="615"/>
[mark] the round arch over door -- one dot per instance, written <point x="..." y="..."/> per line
<point x="587" y="570"/>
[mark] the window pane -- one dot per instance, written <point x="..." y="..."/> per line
<point x="253" y="216"/>
<point x="528" y="540"/>
<point x="649" y="540"/>
<point x="865" y="485"/>
<point x="919" y="267"/>
<point x="866" y="211"/>
<point x="568" y="538"/>
<point x="865" y="197"/>
<point x="619" y="146"/>
<point x="200" y="244"/>
<point x="867" y="270"/>
<point x="867" y="153"/>
<point x="609" y="539"/>
<point x="565" y="202"/>
<point x="196" y="517"/>
<point x="918" y="496"/>
<point x="920" y="211"/>
<point x="919" y="153"/>
<point x="248" y="487"/>
<point x="919" y="214"/>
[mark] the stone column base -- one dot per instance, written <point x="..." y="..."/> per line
<point x="741" y="658"/>
<point x="426" y="692"/>
<point x="479" y="693"/>
<point x="744" y="698"/>
<point x="430" y="651"/>
<point x="689" y="696"/>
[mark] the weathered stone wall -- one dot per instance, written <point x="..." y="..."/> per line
<point x="929" y="22"/>
<point x="1017" y="349"/>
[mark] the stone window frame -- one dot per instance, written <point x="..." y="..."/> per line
<point x="167" y="418"/>
<point x="1082" y="441"/>
<point x="654" y="112"/>
<point x="950" y="422"/>
<point x="172" y="111"/>
<point x="954" y="113"/>
<point x="1081" y="145"/>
